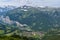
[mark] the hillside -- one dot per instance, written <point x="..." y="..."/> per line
<point x="52" y="35"/>
<point x="29" y="23"/>
<point x="38" y="19"/>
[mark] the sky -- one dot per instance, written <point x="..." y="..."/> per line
<point x="51" y="3"/>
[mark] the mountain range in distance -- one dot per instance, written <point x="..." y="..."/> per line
<point x="31" y="18"/>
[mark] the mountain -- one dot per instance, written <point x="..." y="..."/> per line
<point x="37" y="22"/>
<point x="37" y="18"/>
<point x="5" y="9"/>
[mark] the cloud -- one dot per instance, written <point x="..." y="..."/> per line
<point x="9" y="2"/>
<point x="31" y="2"/>
<point x="3" y="0"/>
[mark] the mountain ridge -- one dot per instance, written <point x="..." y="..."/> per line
<point x="36" y="17"/>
